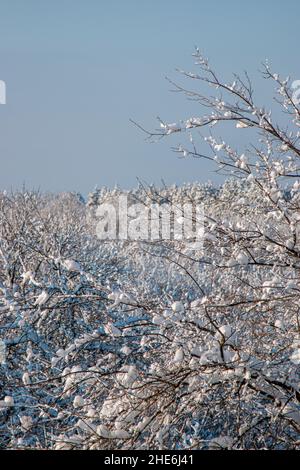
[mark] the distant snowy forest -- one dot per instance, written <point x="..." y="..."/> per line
<point x="121" y="344"/>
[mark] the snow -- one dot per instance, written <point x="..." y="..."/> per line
<point x="134" y="347"/>
<point x="222" y="442"/>
<point x="26" y="422"/>
<point x="170" y="128"/>
<point x="71" y="265"/>
<point x="126" y="350"/>
<point x="2" y="352"/>
<point x="112" y="330"/>
<point x="78" y="401"/>
<point x="119" y="434"/>
<point x="241" y="125"/>
<point x="279" y="324"/>
<point x="295" y="356"/>
<point x="27" y="276"/>
<point x="179" y="356"/>
<point x="26" y="378"/>
<point x="103" y="431"/>
<point x="219" y="147"/>
<point x="42" y="298"/>
<point x="177" y="307"/>
<point x="242" y="259"/>
<point x="9" y="400"/>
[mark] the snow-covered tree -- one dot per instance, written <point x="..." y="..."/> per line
<point x="151" y="344"/>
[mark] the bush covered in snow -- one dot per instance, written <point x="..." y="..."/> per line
<point x="152" y="345"/>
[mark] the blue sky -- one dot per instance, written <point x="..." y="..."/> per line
<point x="76" y="71"/>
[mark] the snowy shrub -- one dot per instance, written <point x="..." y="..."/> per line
<point x="154" y="345"/>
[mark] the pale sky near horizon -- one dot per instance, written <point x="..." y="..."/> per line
<point x="76" y="71"/>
